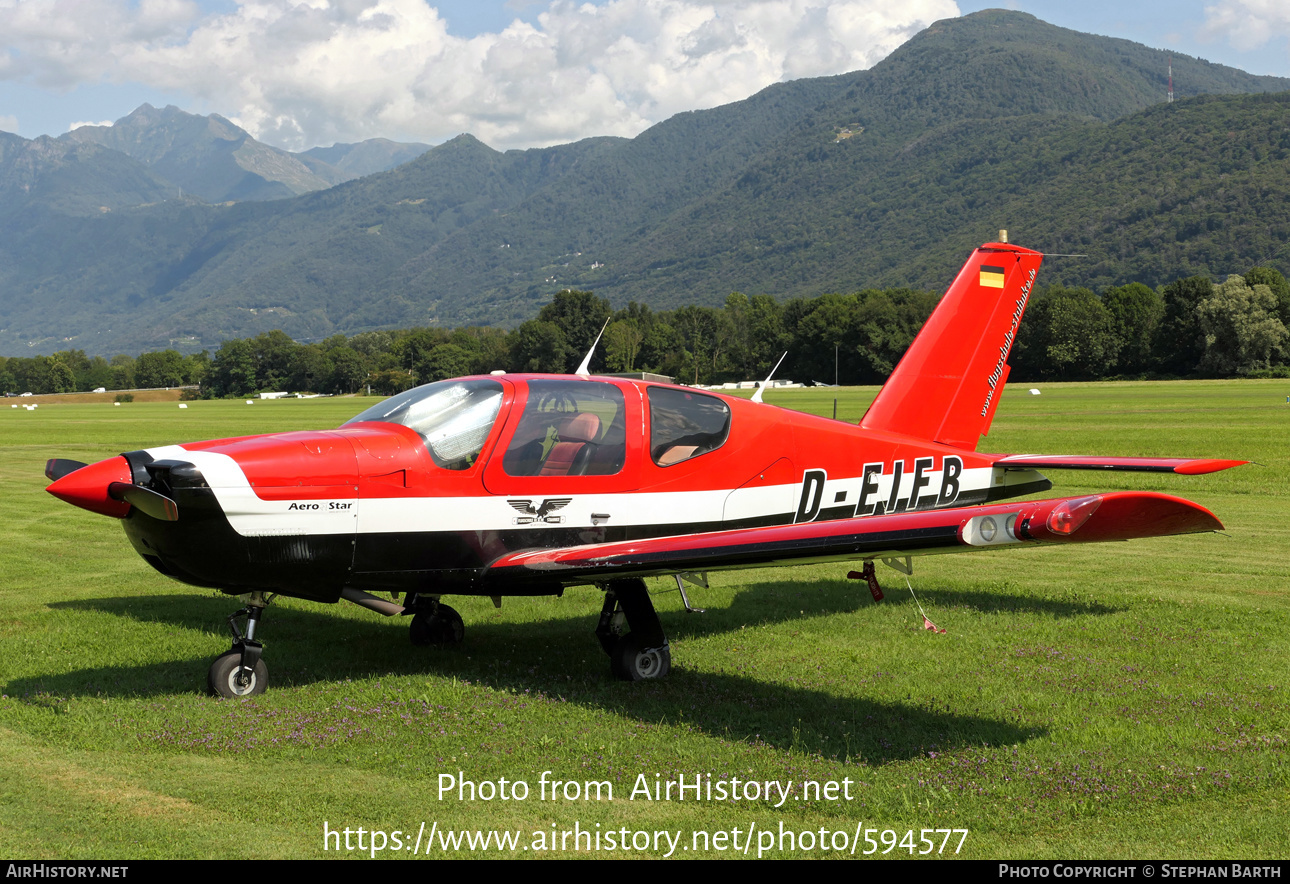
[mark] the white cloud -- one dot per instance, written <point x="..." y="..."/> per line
<point x="60" y="43"/>
<point x="303" y="73"/>
<point x="74" y="126"/>
<point x="8" y="124"/>
<point x="1248" y="24"/>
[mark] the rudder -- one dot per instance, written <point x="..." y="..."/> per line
<point x="947" y="385"/>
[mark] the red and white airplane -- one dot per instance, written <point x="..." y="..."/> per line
<point x="526" y="484"/>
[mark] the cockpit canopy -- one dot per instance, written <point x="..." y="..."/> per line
<point x="453" y="417"/>
<point x="565" y="426"/>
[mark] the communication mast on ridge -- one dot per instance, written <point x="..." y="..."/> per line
<point x="1171" y="80"/>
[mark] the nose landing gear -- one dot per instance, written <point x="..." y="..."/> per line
<point x="239" y="671"/>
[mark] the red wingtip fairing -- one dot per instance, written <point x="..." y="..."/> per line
<point x="88" y="487"/>
<point x="1200" y="467"/>
<point x="1126" y="515"/>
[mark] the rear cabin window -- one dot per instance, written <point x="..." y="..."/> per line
<point x="684" y="425"/>
<point x="569" y="428"/>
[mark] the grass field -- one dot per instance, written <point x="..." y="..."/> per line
<point x="1117" y="700"/>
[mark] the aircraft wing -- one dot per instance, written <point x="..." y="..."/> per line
<point x="1184" y="466"/>
<point x="1091" y="518"/>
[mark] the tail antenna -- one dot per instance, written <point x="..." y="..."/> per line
<point x="756" y="397"/>
<point x="585" y="368"/>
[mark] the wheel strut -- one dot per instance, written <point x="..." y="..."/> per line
<point x="246" y="642"/>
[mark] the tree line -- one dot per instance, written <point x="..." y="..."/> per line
<point x="1191" y="327"/>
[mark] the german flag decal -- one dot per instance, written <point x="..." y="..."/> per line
<point x="991" y="277"/>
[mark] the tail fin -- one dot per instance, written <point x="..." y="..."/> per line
<point x="947" y="385"/>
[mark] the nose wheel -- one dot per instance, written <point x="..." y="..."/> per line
<point x="239" y="671"/>
<point x="229" y="676"/>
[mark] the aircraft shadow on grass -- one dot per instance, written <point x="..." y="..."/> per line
<point x="312" y="647"/>
<point x="786" y="601"/>
<point x="985" y="602"/>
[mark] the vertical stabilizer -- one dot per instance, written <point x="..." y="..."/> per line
<point x="947" y="385"/>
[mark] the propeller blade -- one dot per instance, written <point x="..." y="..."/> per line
<point x="57" y="467"/>
<point x="146" y="500"/>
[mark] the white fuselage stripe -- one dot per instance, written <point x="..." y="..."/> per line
<point x="252" y="516"/>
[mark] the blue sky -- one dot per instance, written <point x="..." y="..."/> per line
<point x="516" y="73"/>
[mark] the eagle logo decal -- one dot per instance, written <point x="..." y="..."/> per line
<point x="529" y="515"/>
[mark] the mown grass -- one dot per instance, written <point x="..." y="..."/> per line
<point x="1120" y="700"/>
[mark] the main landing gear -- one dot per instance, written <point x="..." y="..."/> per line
<point x="643" y="651"/>
<point x="434" y="623"/>
<point x="239" y="671"/>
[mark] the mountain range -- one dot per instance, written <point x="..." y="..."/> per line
<point x="170" y="229"/>
<point x="217" y="161"/>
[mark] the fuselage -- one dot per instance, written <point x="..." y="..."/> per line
<point x="422" y="497"/>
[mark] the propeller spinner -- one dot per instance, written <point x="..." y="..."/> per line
<point x="106" y="488"/>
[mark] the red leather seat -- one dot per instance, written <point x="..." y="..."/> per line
<point x="570" y="453"/>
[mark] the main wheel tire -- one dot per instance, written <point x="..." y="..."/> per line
<point x="630" y="662"/>
<point x="443" y="627"/>
<point x="228" y="678"/>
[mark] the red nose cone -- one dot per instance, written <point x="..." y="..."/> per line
<point x="88" y="487"/>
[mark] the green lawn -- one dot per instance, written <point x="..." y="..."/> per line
<point x="1118" y="700"/>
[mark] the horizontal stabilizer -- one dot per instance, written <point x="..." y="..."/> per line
<point x="1124" y="515"/>
<point x="1183" y="466"/>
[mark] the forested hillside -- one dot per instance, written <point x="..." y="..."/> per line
<point x="1190" y="327"/>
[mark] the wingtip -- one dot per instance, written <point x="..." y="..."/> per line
<point x="1130" y="515"/>
<point x="1207" y="465"/>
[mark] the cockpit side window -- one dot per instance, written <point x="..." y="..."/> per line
<point x="454" y="418"/>
<point x="569" y="428"/>
<point x="684" y="424"/>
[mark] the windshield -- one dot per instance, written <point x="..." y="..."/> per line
<point x="453" y="417"/>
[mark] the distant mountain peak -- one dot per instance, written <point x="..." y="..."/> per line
<point x="466" y="141"/>
<point x="207" y="156"/>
